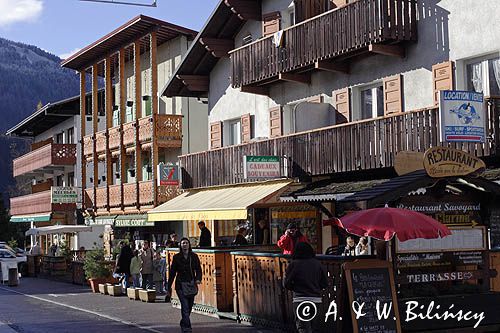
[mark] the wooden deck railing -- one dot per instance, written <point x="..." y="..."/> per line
<point x="114" y="138"/>
<point x="100" y="142"/>
<point x="129" y="134"/>
<point x="36" y="203"/>
<point x="101" y="197"/>
<point x="362" y="145"/>
<point x="88" y="145"/>
<point x="129" y="194"/>
<point x="115" y="196"/>
<point x="146" y="192"/>
<point x="53" y="154"/>
<point x="339" y="32"/>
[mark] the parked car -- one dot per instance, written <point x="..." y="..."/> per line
<point x="18" y="251"/>
<point x="7" y="255"/>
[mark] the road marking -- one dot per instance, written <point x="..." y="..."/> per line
<point x="61" y="295"/>
<point x="125" y="322"/>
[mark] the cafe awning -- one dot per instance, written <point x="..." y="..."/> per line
<point x="57" y="229"/>
<point x="30" y="218"/>
<point x="101" y="220"/>
<point x="220" y="203"/>
<point x="123" y="221"/>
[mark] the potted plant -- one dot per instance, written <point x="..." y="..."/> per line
<point x="96" y="269"/>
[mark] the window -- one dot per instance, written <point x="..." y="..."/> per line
<point x="291" y="14"/>
<point x="71" y="179"/>
<point x="59" y="137"/>
<point x="71" y="135"/>
<point x="234" y="132"/>
<point x="59" y="180"/>
<point x="483" y="75"/>
<point x="372" y="102"/>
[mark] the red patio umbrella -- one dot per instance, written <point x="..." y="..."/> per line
<point x="384" y="223"/>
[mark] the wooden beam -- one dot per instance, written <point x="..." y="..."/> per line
<point x="95" y="118"/>
<point x="218" y="47"/>
<point x="138" y="112"/>
<point x="301" y="78"/>
<point x="336" y="67"/>
<point x="245" y="9"/>
<point x="390" y="50"/>
<point x="255" y="90"/>
<point x="83" y="120"/>
<point x="154" y="95"/>
<point x="122" y="103"/>
<point x="195" y="82"/>
<point x="108" y="96"/>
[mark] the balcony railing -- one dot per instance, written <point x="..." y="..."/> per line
<point x="129" y="194"/>
<point x="146" y="193"/>
<point x="88" y="145"/>
<point x="129" y="134"/>
<point x="100" y="144"/>
<point x="341" y="32"/>
<point x="36" y="203"/>
<point x="101" y="197"/>
<point x="115" y="196"/>
<point x="363" y="145"/>
<point x="114" y="138"/>
<point x="45" y="158"/>
<point x="168" y="130"/>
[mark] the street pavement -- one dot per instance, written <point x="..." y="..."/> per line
<point x="39" y="306"/>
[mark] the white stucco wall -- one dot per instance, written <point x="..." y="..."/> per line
<point x="446" y="31"/>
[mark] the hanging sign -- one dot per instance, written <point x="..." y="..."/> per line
<point x="168" y="174"/>
<point x="63" y="194"/>
<point x="462" y="116"/>
<point x="448" y="162"/>
<point x="261" y="167"/>
<point x="408" y="161"/>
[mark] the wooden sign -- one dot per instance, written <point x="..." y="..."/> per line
<point x="408" y="161"/>
<point x="370" y="285"/>
<point x="448" y="162"/>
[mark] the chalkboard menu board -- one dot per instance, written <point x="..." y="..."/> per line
<point x="370" y="284"/>
<point x="495" y="230"/>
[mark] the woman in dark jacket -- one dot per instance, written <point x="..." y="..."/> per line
<point x="185" y="268"/>
<point x="306" y="278"/>
<point x="123" y="262"/>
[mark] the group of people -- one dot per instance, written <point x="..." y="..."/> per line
<point x="353" y="249"/>
<point x="145" y="267"/>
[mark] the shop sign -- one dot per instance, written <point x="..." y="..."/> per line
<point x="462" y="115"/>
<point x="134" y="223"/>
<point x="63" y="194"/>
<point x="421" y="260"/>
<point x="449" y="213"/>
<point x="448" y="162"/>
<point x="261" y="167"/>
<point x="439" y="277"/>
<point x="168" y="174"/>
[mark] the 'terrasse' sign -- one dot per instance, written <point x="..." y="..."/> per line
<point x="261" y="167"/>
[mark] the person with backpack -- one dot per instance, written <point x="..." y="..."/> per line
<point x="185" y="269"/>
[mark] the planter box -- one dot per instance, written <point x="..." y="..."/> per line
<point x="115" y="290"/>
<point x="133" y="293"/>
<point x="148" y="295"/>
<point x="103" y="288"/>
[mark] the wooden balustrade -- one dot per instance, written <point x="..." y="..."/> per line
<point x="167" y="192"/>
<point x="362" y="145"/>
<point x="100" y="144"/>
<point x="88" y="146"/>
<point x="129" y="194"/>
<point x="114" y="138"/>
<point x="45" y="157"/>
<point x="101" y="197"/>
<point x="115" y="196"/>
<point x="89" y="197"/>
<point x="129" y="134"/>
<point x="41" y="187"/>
<point x="168" y="130"/>
<point x="146" y="192"/>
<point x="145" y="129"/>
<point x="31" y="204"/>
<point x="341" y="32"/>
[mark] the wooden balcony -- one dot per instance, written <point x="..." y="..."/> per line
<point x="363" y="145"/>
<point x="328" y="38"/>
<point x="100" y="144"/>
<point x="114" y="138"/>
<point x="129" y="134"/>
<point x="115" y="196"/>
<point x="129" y="194"/>
<point x="46" y="158"/>
<point x="146" y="193"/>
<point x="36" y="203"/>
<point x="168" y="131"/>
<point x="88" y="146"/>
<point x="101" y="197"/>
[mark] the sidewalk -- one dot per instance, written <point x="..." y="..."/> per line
<point x="153" y="317"/>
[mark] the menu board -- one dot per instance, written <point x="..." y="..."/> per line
<point x="471" y="238"/>
<point x="495" y="230"/>
<point x="370" y="285"/>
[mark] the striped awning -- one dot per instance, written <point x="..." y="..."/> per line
<point x="220" y="203"/>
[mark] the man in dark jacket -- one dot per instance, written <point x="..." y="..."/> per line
<point x="123" y="262"/>
<point x="205" y="237"/>
<point x="306" y="277"/>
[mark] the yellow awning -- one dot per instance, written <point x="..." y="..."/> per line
<point x="221" y="203"/>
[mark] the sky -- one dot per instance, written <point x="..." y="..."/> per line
<point x="62" y="27"/>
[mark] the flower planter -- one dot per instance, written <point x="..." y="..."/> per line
<point x="133" y="293"/>
<point x="94" y="283"/>
<point x="115" y="290"/>
<point x="103" y="288"/>
<point x="148" y="295"/>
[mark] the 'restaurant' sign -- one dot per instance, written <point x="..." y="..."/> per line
<point x="448" y="162"/>
<point x="261" y="167"/>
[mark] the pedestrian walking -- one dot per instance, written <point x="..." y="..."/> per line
<point x="306" y="278"/>
<point x="123" y="263"/>
<point x="135" y="269"/>
<point x="147" y="269"/>
<point x="159" y="271"/>
<point x="185" y="269"/>
<point x="205" y="236"/>
<point x="292" y="236"/>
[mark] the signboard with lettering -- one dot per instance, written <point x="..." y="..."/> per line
<point x="63" y="194"/>
<point x="168" y="174"/>
<point x="370" y="284"/>
<point x="261" y="167"/>
<point x="462" y="115"/>
<point x="448" y="162"/>
<point x="452" y="214"/>
<point x="439" y="259"/>
<point x="495" y="229"/>
<point x="439" y="277"/>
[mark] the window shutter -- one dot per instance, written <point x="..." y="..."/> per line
<point x="442" y="78"/>
<point x="393" y="100"/>
<point x="275" y="125"/>
<point x="315" y="99"/>
<point x="270" y="23"/>
<point x="342" y="105"/>
<point x="246" y="128"/>
<point x="216" y="135"/>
